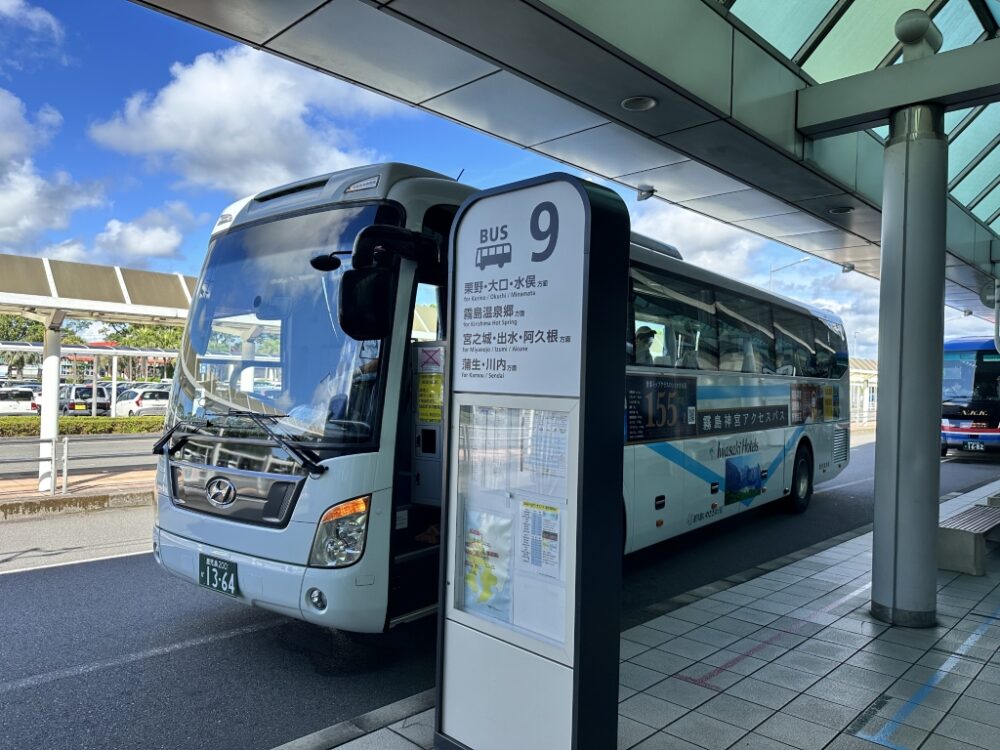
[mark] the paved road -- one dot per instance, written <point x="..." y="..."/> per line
<point x="114" y="654"/>
<point x="112" y="454"/>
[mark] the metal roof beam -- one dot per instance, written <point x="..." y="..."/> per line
<point x="819" y="33"/>
<point x="957" y="79"/>
<point x="985" y="17"/>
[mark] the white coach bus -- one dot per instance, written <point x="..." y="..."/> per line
<point x="301" y="469"/>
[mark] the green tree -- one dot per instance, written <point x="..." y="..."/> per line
<point x="145" y="337"/>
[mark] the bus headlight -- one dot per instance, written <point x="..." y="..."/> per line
<point x="340" y="537"/>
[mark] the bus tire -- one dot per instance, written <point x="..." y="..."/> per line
<point x="944" y="450"/>
<point x="802" y="481"/>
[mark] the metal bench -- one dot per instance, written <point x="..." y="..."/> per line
<point x="961" y="541"/>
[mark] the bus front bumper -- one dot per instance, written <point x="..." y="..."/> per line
<point x="351" y="602"/>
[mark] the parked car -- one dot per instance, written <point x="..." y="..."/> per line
<point x="142" y="402"/>
<point x="78" y="399"/>
<point x="17" y="401"/>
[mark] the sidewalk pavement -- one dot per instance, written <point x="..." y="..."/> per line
<point x="786" y="655"/>
<point x="26" y="488"/>
<point x="103" y="515"/>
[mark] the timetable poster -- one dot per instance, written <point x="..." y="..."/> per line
<point x="512" y="491"/>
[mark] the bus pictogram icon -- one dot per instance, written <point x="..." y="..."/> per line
<point x="494" y="255"/>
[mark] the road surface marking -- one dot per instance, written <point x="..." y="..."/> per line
<point x="61" y="674"/>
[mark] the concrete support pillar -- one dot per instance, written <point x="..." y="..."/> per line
<point x="911" y="331"/>
<point x="49" y="429"/>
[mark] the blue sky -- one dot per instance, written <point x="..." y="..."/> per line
<point x="124" y="133"/>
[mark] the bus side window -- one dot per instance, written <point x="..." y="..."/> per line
<point x="746" y="336"/>
<point x="425" y="314"/>
<point x="794" y="346"/>
<point x="680" y="313"/>
<point x="831" y="349"/>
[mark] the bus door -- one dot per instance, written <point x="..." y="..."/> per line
<point x="418" y="485"/>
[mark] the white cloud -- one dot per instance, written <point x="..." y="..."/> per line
<point x="30" y="17"/>
<point x="240" y="120"/>
<point x="73" y="249"/>
<point x="21" y="134"/>
<point x="156" y="234"/>
<point x="28" y="34"/>
<point x="702" y="241"/>
<point x="32" y="203"/>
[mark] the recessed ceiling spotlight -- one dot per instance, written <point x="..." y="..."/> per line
<point x="638" y="103"/>
<point x="840" y="210"/>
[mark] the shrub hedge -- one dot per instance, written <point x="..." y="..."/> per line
<point x="29" y="426"/>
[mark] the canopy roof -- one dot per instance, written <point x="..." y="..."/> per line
<point x="37" y="287"/>
<point x="831" y="39"/>
<point x="572" y="79"/>
<point x="67" y="350"/>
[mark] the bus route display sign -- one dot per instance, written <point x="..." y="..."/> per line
<point x="515" y="277"/>
<point x="660" y="407"/>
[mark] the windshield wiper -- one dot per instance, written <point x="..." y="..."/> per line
<point x="165" y="438"/>
<point x="306" y="458"/>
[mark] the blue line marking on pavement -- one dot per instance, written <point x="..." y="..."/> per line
<point x="884" y="735"/>
<point x="679" y="457"/>
<point x="712" y="392"/>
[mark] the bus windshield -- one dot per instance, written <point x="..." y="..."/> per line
<point x="971" y="376"/>
<point x="264" y="337"/>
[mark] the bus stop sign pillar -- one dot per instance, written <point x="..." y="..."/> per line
<point x="911" y="331"/>
<point x="532" y="523"/>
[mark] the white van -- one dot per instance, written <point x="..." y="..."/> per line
<point x="17" y="402"/>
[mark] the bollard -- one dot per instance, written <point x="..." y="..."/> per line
<point x="65" y="465"/>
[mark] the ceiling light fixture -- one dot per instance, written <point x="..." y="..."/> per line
<point x="840" y="210"/>
<point x="846" y="267"/>
<point x="638" y="103"/>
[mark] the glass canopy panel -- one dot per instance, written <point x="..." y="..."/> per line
<point x="973" y="139"/>
<point x="951" y="119"/>
<point x="988" y="205"/>
<point x="859" y="40"/>
<point x="958" y="24"/>
<point x="977" y="180"/>
<point x="785" y="25"/>
<point x="994" y="6"/>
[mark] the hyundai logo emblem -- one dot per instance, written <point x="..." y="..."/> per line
<point x="220" y="492"/>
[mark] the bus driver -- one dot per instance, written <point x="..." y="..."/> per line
<point x="643" y="341"/>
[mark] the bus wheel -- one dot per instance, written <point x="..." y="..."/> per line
<point x="944" y="450"/>
<point x="801" y="494"/>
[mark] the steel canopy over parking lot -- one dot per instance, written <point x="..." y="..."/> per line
<point x="749" y="111"/>
<point x="49" y="291"/>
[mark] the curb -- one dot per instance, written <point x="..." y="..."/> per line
<point x="351" y="729"/>
<point x="84" y="502"/>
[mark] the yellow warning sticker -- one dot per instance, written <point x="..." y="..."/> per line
<point x="430" y="396"/>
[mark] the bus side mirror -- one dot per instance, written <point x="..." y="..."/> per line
<point x="379" y="238"/>
<point x="366" y="303"/>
